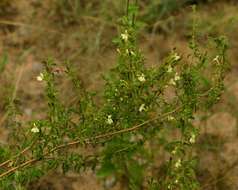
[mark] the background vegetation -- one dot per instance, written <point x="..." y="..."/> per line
<point x="81" y="32"/>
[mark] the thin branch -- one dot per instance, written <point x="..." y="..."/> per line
<point x="17" y="155"/>
<point x="18" y="167"/>
<point x="87" y="141"/>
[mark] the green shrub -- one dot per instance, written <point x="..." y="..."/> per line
<point x="130" y="128"/>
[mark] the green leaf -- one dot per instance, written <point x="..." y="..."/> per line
<point x="136" y="174"/>
<point x="3" y="62"/>
<point x="106" y="169"/>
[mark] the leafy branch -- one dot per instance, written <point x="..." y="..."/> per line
<point x="74" y="143"/>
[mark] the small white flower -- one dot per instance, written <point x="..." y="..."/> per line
<point x="125" y="36"/>
<point x="176" y="57"/>
<point x="170" y="69"/>
<point x="216" y="59"/>
<point x="176" y="181"/>
<point x="172" y="82"/>
<point x="174" y="151"/>
<point x="40" y="77"/>
<point x="170" y="118"/>
<point x="192" y="139"/>
<point x="35" y="130"/>
<point x="178" y="163"/>
<point x="109" y="120"/>
<point x="142" y="108"/>
<point x="132" y="53"/>
<point x="141" y="78"/>
<point x="118" y="51"/>
<point x="176" y="77"/>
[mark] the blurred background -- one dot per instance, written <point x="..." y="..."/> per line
<point x="82" y="31"/>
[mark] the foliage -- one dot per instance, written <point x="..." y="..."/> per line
<point x="70" y="11"/>
<point x="135" y="115"/>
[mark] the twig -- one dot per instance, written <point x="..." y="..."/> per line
<point x="17" y="155"/>
<point x="87" y="141"/>
<point x="18" y="167"/>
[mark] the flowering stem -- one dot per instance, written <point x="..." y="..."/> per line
<point x="87" y="141"/>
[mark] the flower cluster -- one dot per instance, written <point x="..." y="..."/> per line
<point x="40" y="77"/>
<point x="141" y="78"/>
<point x="109" y="120"/>
<point x="35" y="129"/>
